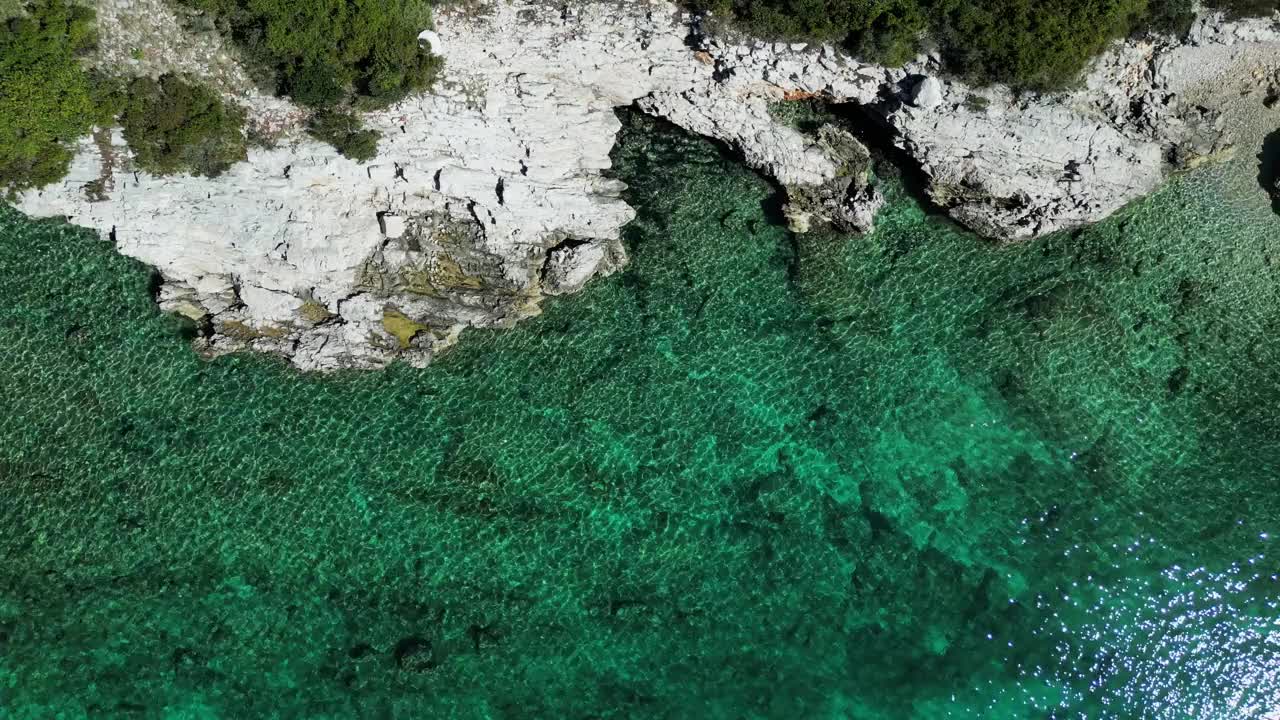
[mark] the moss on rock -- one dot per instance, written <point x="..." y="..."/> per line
<point x="401" y="327"/>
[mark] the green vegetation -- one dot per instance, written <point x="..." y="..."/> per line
<point x="343" y="131"/>
<point x="173" y="125"/>
<point x="338" y="56"/>
<point x="46" y="98"/>
<point x="1170" y="17"/>
<point x="1028" y="44"/>
<point x="886" y="30"/>
<point x="326" y="52"/>
<point x="807" y="115"/>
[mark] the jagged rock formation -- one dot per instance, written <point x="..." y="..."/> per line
<point x="848" y="200"/>
<point x="477" y="187"/>
<point x="1007" y="167"/>
<point x="490" y="192"/>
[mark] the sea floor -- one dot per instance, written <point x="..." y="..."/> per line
<point x="911" y="475"/>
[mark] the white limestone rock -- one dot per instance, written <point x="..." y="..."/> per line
<point x="393" y="226"/>
<point x="1007" y="167"/>
<point x="570" y="266"/>
<point x="491" y="192"/>
<point x="927" y="93"/>
<point x="1011" y="176"/>
<point x="304" y="253"/>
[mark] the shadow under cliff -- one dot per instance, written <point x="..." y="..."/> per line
<point x="863" y="121"/>
<point x="889" y="160"/>
<point x="1269" y="168"/>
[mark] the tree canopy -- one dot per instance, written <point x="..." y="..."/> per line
<point x="174" y="125"/>
<point x="325" y="52"/>
<point x="46" y="98"/>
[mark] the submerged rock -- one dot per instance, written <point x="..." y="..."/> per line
<point x="491" y="191"/>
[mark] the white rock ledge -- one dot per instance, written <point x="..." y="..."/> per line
<point x="489" y="193"/>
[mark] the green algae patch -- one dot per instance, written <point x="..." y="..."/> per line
<point x="437" y="276"/>
<point x="417" y="280"/>
<point x="803" y="113"/>
<point x="447" y="273"/>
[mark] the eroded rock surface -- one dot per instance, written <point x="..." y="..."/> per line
<point x="491" y="191"/>
<point x="1007" y="167"/>
<point x="336" y="264"/>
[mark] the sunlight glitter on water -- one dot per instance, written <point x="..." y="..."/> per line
<point x="1190" y="644"/>
<point x="747" y="474"/>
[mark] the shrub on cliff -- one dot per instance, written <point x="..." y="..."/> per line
<point x="1169" y="17"/>
<point x="324" y="52"/>
<point x="333" y="55"/>
<point x="46" y="99"/>
<point x="1030" y="44"/>
<point x="344" y="132"/>
<point x="885" y="31"/>
<point x="173" y="125"/>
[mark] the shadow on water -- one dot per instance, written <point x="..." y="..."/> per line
<point x="865" y="124"/>
<point x="881" y="139"/>
<point x="1269" y="167"/>
<point x="772" y="206"/>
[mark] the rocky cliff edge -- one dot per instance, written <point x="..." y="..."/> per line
<point x="492" y="191"/>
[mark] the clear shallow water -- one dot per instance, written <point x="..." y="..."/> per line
<point x="908" y="475"/>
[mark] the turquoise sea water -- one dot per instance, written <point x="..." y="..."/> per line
<point x="909" y="475"/>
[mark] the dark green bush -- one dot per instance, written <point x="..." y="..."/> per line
<point x="173" y="126"/>
<point x="1029" y="44"/>
<point x="892" y="34"/>
<point x="879" y="30"/>
<point x="344" y="132"/>
<point x="817" y="20"/>
<point x="46" y="100"/>
<point x="334" y="55"/>
<point x="325" y="52"/>
<point x="317" y="85"/>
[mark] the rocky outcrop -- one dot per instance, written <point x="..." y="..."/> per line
<point x="491" y="192"/>
<point x="478" y="186"/>
<point x="1008" y="167"/>
<point x="1011" y="173"/>
<point x="847" y="200"/>
<point x="824" y="174"/>
<point x="1013" y="168"/>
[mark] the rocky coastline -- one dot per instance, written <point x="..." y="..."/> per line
<point x="492" y="191"/>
